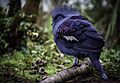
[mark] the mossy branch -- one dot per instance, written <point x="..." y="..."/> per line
<point x="68" y="74"/>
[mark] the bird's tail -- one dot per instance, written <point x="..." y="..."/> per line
<point x="96" y="62"/>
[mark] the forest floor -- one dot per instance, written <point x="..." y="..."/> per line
<point x="89" y="78"/>
<point x="46" y="61"/>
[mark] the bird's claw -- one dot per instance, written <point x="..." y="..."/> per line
<point x="104" y="76"/>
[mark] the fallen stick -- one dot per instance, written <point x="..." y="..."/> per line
<point x="68" y="74"/>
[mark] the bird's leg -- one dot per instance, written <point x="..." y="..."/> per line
<point x="95" y="61"/>
<point x="75" y="62"/>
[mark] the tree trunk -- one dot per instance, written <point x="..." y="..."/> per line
<point x="28" y="13"/>
<point x="14" y="7"/>
<point x="118" y="25"/>
<point x="70" y="73"/>
<point x="31" y="9"/>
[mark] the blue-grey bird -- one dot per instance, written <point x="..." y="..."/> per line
<point x="74" y="35"/>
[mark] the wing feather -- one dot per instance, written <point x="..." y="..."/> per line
<point x="80" y="35"/>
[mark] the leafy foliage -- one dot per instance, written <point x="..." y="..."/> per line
<point x="22" y="37"/>
<point x="44" y="60"/>
<point x="4" y="33"/>
<point x="111" y="59"/>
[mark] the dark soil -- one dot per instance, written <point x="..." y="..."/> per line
<point x="94" y="79"/>
<point x="14" y="79"/>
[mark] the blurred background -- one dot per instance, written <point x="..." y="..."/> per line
<point x="27" y="50"/>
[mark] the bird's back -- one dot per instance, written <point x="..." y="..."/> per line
<point x="75" y="36"/>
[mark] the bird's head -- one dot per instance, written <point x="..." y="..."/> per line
<point x="61" y="12"/>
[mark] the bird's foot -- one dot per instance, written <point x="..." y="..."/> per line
<point x="75" y="62"/>
<point x="104" y="76"/>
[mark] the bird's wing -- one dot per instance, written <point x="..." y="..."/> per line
<point x="73" y="30"/>
<point x="79" y="32"/>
